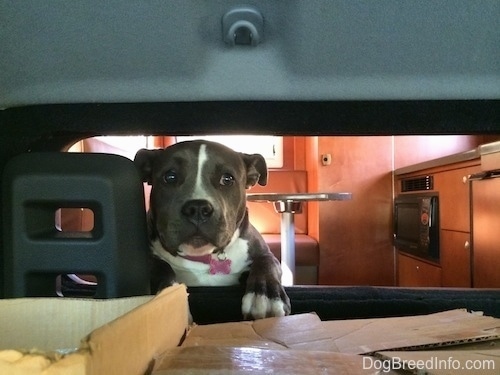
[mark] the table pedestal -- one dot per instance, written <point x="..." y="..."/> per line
<point x="288" y="205"/>
<point x="287" y="209"/>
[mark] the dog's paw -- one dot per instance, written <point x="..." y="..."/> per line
<point x="265" y="297"/>
<point x="258" y="306"/>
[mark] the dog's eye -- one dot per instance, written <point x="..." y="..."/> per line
<point x="226" y="179"/>
<point x="170" y="177"/>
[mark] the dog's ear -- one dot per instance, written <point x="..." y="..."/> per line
<point x="144" y="160"/>
<point x="256" y="169"/>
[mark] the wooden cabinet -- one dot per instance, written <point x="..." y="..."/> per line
<point x="454" y="212"/>
<point x="413" y="272"/>
<point x="455" y="268"/>
<point x="454" y="198"/>
<point x="455" y="258"/>
<point x="485" y="233"/>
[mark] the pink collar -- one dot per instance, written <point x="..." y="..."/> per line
<point x="198" y="258"/>
<point x="218" y="264"/>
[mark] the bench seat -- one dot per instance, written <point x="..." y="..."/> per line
<point x="306" y="256"/>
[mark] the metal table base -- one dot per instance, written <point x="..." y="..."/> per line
<point x="287" y="205"/>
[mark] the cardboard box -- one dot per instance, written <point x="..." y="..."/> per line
<point x="304" y="344"/>
<point x="82" y="336"/>
<point x="140" y="335"/>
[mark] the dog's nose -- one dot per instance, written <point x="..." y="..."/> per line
<point x="197" y="211"/>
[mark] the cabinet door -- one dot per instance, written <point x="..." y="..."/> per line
<point x="486" y="233"/>
<point x="413" y="272"/>
<point x="454" y="204"/>
<point x="455" y="259"/>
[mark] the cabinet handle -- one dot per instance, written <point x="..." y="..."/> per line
<point x="418" y="268"/>
<point x="467" y="245"/>
<point x="465" y="179"/>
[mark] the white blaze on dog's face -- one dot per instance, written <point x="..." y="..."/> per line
<point x="198" y="194"/>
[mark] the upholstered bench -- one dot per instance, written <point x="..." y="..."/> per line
<point x="306" y="256"/>
<point x="267" y="221"/>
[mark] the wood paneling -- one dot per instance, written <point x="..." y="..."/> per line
<point x="415" y="273"/>
<point x="299" y="148"/>
<point x="455" y="258"/>
<point x="311" y="160"/>
<point x="454" y="198"/>
<point x="356" y="236"/>
<point x="414" y="149"/>
<point x="485" y="236"/>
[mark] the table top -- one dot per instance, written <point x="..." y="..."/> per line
<point x="298" y="197"/>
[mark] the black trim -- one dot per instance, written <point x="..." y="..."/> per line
<point x="286" y="117"/>
<point x="346" y="302"/>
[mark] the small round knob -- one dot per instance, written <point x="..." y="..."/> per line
<point x="467" y="245"/>
<point x="465" y="179"/>
<point x="243" y="25"/>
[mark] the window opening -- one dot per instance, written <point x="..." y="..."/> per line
<point x="270" y="147"/>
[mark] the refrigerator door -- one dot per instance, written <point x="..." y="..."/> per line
<point x="486" y="233"/>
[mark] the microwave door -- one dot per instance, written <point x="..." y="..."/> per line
<point x="485" y="208"/>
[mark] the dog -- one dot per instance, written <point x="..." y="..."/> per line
<point x="199" y="229"/>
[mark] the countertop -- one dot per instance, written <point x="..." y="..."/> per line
<point x="476" y="153"/>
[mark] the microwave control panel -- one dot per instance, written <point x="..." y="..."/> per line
<point x="425" y="221"/>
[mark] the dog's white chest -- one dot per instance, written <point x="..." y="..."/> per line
<point x="216" y="271"/>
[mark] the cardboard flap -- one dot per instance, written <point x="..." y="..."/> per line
<point x="291" y="332"/>
<point x="140" y="335"/>
<point x="360" y="336"/>
<point x="413" y="332"/>
<point x="228" y="334"/>
<point x="295" y="332"/>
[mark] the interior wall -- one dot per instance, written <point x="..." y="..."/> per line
<point x="414" y="149"/>
<point x="310" y="157"/>
<point x="355" y="235"/>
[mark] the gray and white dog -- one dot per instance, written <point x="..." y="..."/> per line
<point x="199" y="230"/>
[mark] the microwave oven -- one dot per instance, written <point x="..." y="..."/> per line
<point x="416" y="224"/>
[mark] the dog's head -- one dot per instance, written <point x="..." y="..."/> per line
<point x="198" y="197"/>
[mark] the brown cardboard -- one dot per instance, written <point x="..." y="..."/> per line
<point x="114" y="336"/>
<point x="247" y="360"/>
<point x="303" y="344"/>
<point x="361" y="336"/>
<point x="413" y="333"/>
